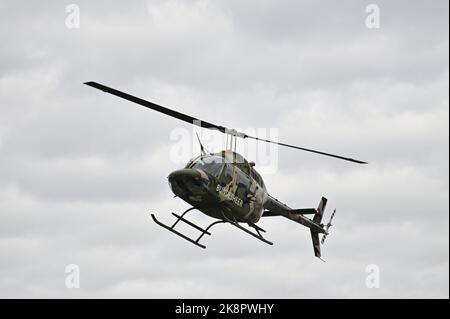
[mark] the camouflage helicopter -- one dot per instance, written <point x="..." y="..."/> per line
<point x="226" y="187"/>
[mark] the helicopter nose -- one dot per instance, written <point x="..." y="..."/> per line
<point x="186" y="181"/>
<point x="186" y="172"/>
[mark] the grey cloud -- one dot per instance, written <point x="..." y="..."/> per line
<point x="80" y="170"/>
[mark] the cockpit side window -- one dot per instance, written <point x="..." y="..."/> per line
<point x="257" y="177"/>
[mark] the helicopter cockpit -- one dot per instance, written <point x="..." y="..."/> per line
<point x="211" y="164"/>
<point x="214" y="164"/>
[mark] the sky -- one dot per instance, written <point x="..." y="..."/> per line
<point x="81" y="171"/>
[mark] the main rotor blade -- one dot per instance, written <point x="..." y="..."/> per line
<point x="204" y="124"/>
<point x="308" y="150"/>
<point x="156" y="107"/>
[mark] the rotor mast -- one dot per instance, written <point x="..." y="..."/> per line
<point x="232" y="136"/>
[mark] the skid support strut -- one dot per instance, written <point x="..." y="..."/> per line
<point x="183" y="219"/>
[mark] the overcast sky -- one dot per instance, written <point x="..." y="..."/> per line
<point x="81" y="170"/>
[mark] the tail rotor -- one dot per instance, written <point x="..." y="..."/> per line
<point x="327" y="227"/>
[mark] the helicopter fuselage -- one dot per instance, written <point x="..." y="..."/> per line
<point x="221" y="184"/>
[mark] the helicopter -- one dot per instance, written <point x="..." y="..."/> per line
<point x="227" y="187"/>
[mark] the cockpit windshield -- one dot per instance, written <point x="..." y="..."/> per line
<point x="211" y="164"/>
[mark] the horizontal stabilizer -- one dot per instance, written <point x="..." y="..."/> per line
<point x="301" y="211"/>
<point x="305" y="211"/>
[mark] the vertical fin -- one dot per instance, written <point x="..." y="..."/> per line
<point x="316" y="243"/>
<point x="318" y="219"/>
<point x="320" y="209"/>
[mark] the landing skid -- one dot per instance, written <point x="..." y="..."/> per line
<point x="257" y="228"/>
<point x="206" y="231"/>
